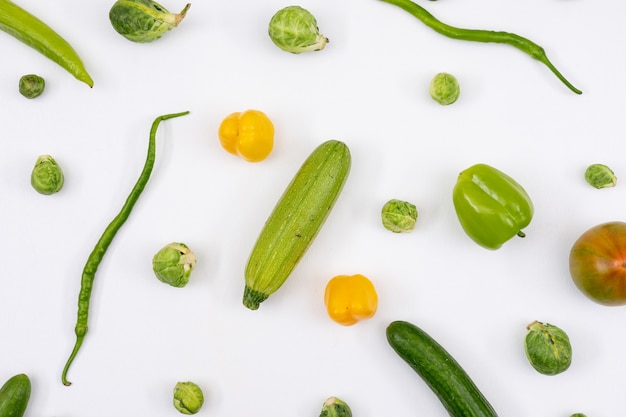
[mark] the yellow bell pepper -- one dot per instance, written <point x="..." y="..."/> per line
<point x="350" y="298"/>
<point x="248" y="134"/>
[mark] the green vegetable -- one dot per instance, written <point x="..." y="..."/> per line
<point x="296" y="220"/>
<point x="188" y="397"/>
<point x="28" y="29"/>
<point x="578" y="415"/>
<point x="477" y="35"/>
<point x="143" y="20"/>
<point x="47" y="176"/>
<point x="547" y="348"/>
<point x="600" y="176"/>
<point x="444" y="88"/>
<point x="14" y="396"/>
<point x="441" y="372"/>
<point x="399" y="216"/>
<point x="95" y="257"/>
<point x="294" y="29"/>
<point x="173" y="264"/>
<point x="31" y="85"/>
<point x="491" y="206"/>
<point x="334" y="407"/>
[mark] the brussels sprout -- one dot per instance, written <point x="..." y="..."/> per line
<point x="444" y="88"/>
<point x="600" y="176"/>
<point x="294" y="29"/>
<point x="188" y="397"/>
<point x="143" y="20"/>
<point x="578" y="415"/>
<point x="173" y="264"/>
<point x="399" y="216"/>
<point x="31" y="85"/>
<point x="47" y="176"/>
<point x="547" y="348"/>
<point x="334" y="407"/>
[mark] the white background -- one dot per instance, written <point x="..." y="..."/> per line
<point x="369" y="88"/>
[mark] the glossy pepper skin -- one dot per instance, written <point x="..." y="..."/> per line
<point x="350" y="298"/>
<point x="491" y="206"/>
<point x="248" y="134"/>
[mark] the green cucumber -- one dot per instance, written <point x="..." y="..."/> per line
<point x="296" y="220"/>
<point x="441" y="372"/>
<point x="14" y="396"/>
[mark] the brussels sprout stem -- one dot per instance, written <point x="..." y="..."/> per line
<point x="180" y="16"/>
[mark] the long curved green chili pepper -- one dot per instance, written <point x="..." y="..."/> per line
<point x="478" y="35"/>
<point x="94" y="259"/>
<point x="28" y="29"/>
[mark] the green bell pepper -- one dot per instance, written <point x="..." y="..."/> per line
<point x="491" y="206"/>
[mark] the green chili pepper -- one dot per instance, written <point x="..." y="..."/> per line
<point x="28" y="29"/>
<point x="479" y="35"/>
<point x="491" y="206"/>
<point x="95" y="257"/>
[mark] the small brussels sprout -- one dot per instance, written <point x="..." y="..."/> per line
<point x="547" y="348"/>
<point x="294" y="29"/>
<point x="47" y="177"/>
<point x="578" y="415"/>
<point x="334" y="407"/>
<point x="444" y="88"/>
<point x="188" y="397"/>
<point x="173" y="264"/>
<point x="31" y="85"/>
<point x="143" y="21"/>
<point x="399" y="216"/>
<point x="600" y="176"/>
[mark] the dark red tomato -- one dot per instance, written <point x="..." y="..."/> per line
<point x="597" y="263"/>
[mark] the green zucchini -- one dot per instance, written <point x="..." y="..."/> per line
<point x="441" y="372"/>
<point x="14" y="396"/>
<point x="296" y="220"/>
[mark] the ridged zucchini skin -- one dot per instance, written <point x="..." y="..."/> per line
<point x="296" y="220"/>
<point x="14" y="396"/>
<point x="441" y="372"/>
